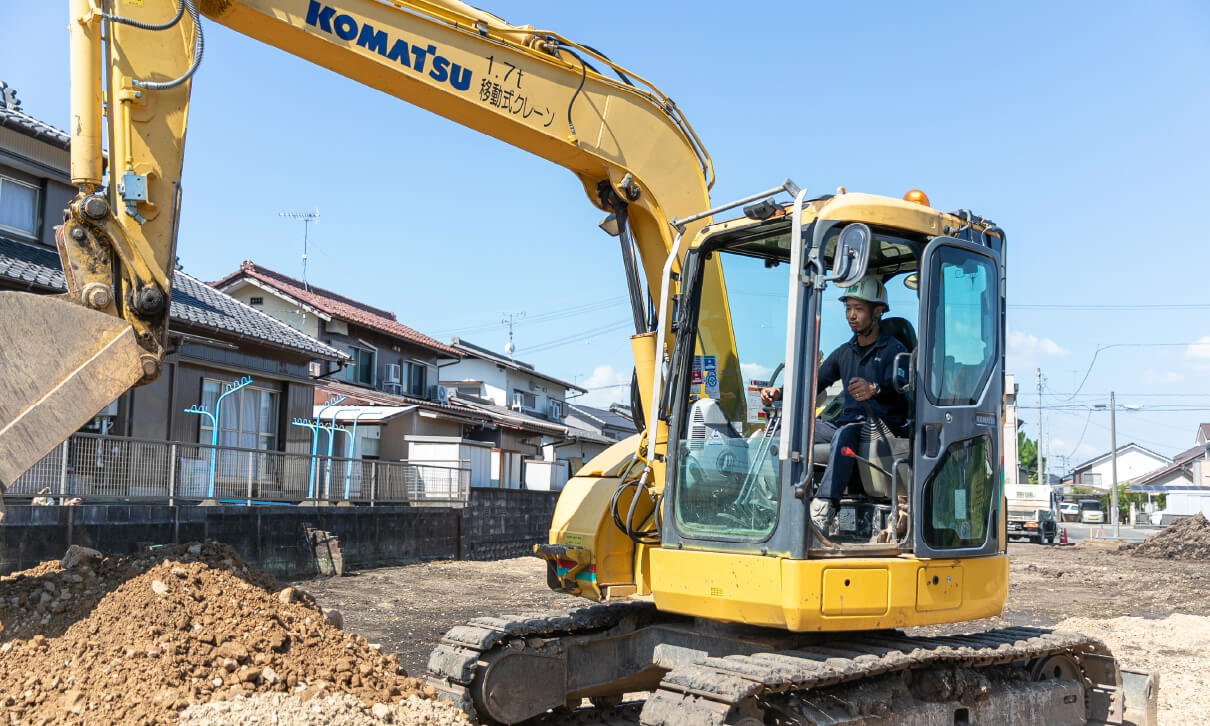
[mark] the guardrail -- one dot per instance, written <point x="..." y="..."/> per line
<point x="94" y="467"/>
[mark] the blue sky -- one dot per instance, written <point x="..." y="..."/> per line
<point x="1079" y="127"/>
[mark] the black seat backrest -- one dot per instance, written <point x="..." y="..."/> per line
<point x="900" y="329"/>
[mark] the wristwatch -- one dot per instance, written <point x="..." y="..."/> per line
<point x="877" y="388"/>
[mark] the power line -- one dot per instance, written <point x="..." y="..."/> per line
<point x="549" y="316"/>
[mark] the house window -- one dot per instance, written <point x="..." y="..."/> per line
<point x="18" y="207"/>
<point x="361" y="370"/>
<point x="524" y="399"/>
<point x="417" y="377"/>
<point x="248" y="419"/>
<point x="256" y="300"/>
<point x="556" y="409"/>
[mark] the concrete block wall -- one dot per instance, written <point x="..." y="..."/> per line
<point x="499" y="523"/>
<point x="495" y="524"/>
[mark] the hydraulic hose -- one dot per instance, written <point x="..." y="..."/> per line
<point x="199" y="43"/>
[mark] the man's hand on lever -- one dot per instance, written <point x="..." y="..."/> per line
<point x="769" y="395"/>
<point x="859" y="388"/>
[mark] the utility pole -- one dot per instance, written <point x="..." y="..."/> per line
<point x="307" y="218"/>
<point x="1113" y="442"/>
<point x="1041" y="459"/>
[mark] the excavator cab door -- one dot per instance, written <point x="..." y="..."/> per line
<point x="959" y="387"/>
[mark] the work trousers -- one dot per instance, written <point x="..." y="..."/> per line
<point x="840" y="468"/>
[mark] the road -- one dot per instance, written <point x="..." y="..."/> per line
<point x="1077" y="532"/>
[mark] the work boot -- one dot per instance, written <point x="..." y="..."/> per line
<point x="823" y="514"/>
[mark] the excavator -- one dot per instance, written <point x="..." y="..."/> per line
<point x="714" y="594"/>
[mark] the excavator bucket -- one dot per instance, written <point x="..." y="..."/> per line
<point x="60" y="363"/>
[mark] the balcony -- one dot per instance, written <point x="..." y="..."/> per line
<point x="100" y="469"/>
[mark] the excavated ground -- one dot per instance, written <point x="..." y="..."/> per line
<point x="191" y="632"/>
<point x="1154" y="613"/>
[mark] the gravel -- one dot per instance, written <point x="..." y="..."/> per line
<point x="321" y="710"/>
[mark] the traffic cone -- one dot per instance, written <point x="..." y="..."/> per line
<point x="1062" y="535"/>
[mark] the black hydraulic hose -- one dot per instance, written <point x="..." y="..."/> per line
<point x="199" y="43"/>
<point x="180" y="11"/>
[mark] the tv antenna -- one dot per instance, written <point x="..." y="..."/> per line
<point x="509" y="320"/>
<point x="307" y="218"/>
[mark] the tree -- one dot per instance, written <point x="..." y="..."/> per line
<point x="1027" y="455"/>
<point x="1125" y="497"/>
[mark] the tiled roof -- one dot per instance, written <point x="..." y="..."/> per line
<point x="22" y="122"/>
<point x="193" y="301"/>
<point x="601" y="417"/>
<point x="333" y="304"/>
<point x="1180" y="461"/>
<point x="1205" y="430"/>
<point x="509" y="416"/>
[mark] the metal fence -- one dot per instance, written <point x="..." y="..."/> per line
<point x="98" y="468"/>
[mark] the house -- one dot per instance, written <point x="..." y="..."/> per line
<point x="213" y="338"/>
<point x="385" y="355"/>
<point x="533" y="450"/>
<point x="1133" y="461"/>
<point x="506" y="382"/>
<point x="593" y="430"/>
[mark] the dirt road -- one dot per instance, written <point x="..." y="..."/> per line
<point x="1129" y="602"/>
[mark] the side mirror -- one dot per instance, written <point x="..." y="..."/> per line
<point x="901" y="375"/>
<point x="852" y="255"/>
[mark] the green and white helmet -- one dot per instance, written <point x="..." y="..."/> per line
<point x="870" y="289"/>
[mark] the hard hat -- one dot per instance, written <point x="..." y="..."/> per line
<point x="870" y="289"/>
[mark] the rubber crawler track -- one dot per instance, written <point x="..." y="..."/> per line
<point x="702" y="694"/>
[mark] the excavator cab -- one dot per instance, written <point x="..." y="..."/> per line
<point x="741" y="475"/>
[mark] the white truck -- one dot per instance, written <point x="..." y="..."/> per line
<point x="1031" y="512"/>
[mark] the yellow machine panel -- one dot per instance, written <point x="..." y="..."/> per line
<point x="939" y="588"/>
<point x="850" y="591"/>
<point x="812" y="595"/>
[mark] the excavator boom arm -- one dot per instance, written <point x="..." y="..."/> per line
<point x="631" y="148"/>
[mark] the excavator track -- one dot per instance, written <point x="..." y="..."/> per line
<point x="458" y="662"/>
<point x="836" y="679"/>
<point x="798" y="686"/>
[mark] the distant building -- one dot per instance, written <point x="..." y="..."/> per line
<point x="1133" y="462"/>
<point x="514" y="391"/>
<point x="384" y="354"/>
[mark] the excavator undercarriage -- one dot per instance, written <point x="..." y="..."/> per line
<point x="538" y="667"/>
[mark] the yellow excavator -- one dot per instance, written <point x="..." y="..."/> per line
<point x="715" y="593"/>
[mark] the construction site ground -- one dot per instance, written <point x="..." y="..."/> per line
<point x="1153" y="613"/>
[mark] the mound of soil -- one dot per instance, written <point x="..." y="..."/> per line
<point x="136" y="639"/>
<point x="1187" y="539"/>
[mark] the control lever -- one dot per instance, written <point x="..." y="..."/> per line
<point x="846" y="451"/>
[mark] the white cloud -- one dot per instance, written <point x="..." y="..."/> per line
<point x="606" y="385"/>
<point x="1152" y="376"/>
<point x="1199" y="352"/>
<point x="754" y="370"/>
<point x="1029" y="345"/>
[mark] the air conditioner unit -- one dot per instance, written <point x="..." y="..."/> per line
<point x="395" y="388"/>
<point x="393" y="373"/>
<point x="440" y="394"/>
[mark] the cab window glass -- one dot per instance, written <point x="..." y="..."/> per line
<point x="958" y="497"/>
<point x="963" y="349"/>
<point x="726" y="478"/>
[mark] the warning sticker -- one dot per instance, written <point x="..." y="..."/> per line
<point x="756" y="411"/>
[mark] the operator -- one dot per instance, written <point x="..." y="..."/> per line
<point x="866" y="363"/>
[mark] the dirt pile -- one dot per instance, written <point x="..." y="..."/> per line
<point x="136" y="639"/>
<point x="1187" y="539"/>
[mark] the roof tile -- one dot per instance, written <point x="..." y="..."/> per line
<point x="193" y="301"/>
<point x="335" y="304"/>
